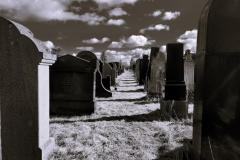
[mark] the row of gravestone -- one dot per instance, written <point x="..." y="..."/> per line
<point x="167" y="77"/>
<point x="76" y="80"/>
<point x="30" y="88"/>
<point x="216" y="82"/>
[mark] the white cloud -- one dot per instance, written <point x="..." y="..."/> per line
<point x="91" y="18"/>
<point x="156" y="13"/>
<point x="45" y="10"/>
<point x="125" y="56"/>
<point x="171" y="15"/>
<point x="137" y="41"/>
<point x="116" y="12"/>
<point x="115" y="44"/>
<point x="96" y="41"/>
<point x="116" y="22"/>
<point x="158" y="27"/>
<point x="189" y="38"/>
<point x="38" y="9"/>
<point x="132" y="42"/>
<point x="85" y="48"/>
<point x="112" y="3"/>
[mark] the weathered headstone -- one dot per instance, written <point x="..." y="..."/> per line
<point x="175" y="88"/>
<point x="189" y="74"/>
<point x="24" y="94"/>
<point x="155" y="73"/>
<point x="72" y="86"/>
<point x="217" y="92"/>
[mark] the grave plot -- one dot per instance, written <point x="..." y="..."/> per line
<point x="119" y="129"/>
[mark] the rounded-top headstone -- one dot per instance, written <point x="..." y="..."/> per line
<point x="90" y="56"/>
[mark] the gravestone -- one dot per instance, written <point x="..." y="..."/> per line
<point x="143" y="66"/>
<point x="155" y="73"/>
<point x="175" y="88"/>
<point x="217" y="103"/>
<point x="189" y="74"/>
<point x="107" y="82"/>
<point x="100" y="90"/>
<point x="137" y="70"/>
<point x="72" y="86"/>
<point x="24" y="94"/>
<point x="114" y="73"/>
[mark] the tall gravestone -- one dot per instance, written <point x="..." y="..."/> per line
<point x="24" y="94"/>
<point x="137" y="70"/>
<point x="72" y="86"/>
<point x="189" y="74"/>
<point x="101" y="91"/>
<point x="175" y="88"/>
<point x="217" y="92"/>
<point x="114" y="74"/>
<point x="155" y="74"/>
<point x="143" y="69"/>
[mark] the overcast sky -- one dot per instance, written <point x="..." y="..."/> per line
<point x="122" y="28"/>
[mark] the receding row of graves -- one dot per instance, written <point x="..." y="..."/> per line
<point x="24" y="86"/>
<point x="169" y="78"/>
<point x="214" y="79"/>
<point x="31" y="90"/>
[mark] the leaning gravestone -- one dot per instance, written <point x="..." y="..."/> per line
<point x="101" y="91"/>
<point x="175" y="88"/>
<point x="72" y="86"/>
<point x="155" y="73"/>
<point x="24" y="94"/>
<point x="217" y="92"/>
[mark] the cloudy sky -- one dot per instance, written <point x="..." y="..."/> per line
<point x="121" y="28"/>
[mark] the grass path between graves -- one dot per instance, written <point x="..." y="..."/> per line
<point x="122" y="128"/>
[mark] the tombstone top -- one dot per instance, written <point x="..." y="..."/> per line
<point x="48" y="55"/>
<point x="219" y="25"/>
<point x="145" y="57"/>
<point x="72" y="63"/>
<point x="90" y="56"/>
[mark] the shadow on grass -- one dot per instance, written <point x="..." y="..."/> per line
<point x="129" y="91"/>
<point x="152" y="116"/>
<point x="123" y="100"/>
<point x="181" y="153"/>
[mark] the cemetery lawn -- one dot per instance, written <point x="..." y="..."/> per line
<point x="123" y="127"/>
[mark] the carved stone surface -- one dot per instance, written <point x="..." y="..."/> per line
<point x="72" y="86"/>
<point x="217" y="112"/>
<point x="24" y="93"/>
<point x="156" y="73"/>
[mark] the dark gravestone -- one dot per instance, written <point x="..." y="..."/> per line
<point x="143" y="66"/>
<point x="155" y="73"/>
<point x="114" y="74"/>
<point x="24" y="94"/>
<point x="137" y="70"/>
<point x="107" y="82"/>
<point x="175" y="89"/>
<point x="72" y="86"/>
<point x="101" y="91"/>
<point x="217" y="92"/>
